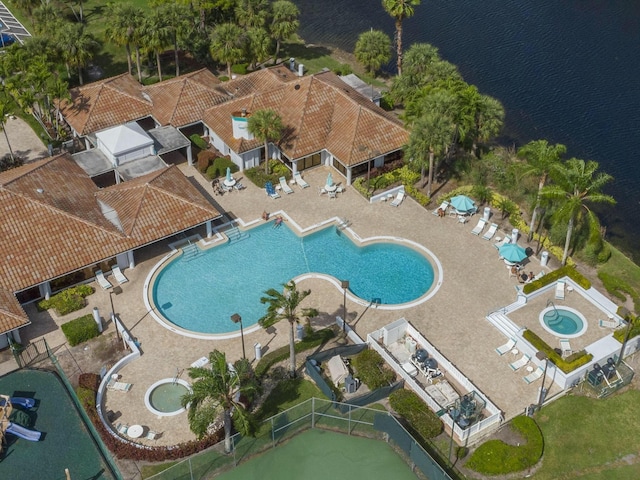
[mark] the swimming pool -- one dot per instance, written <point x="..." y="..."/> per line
<point x="563" y="321"/>
<point x="200" y="293"/>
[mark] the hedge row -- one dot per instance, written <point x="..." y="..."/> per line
<point x="372" y="370"/>
<point x="551" y="277"/>
<point x="311" y="340"/>
<point x="568" y="364"/>
<point x="259" y="178"/>
<point x="67" y="301"/>
<point x="497" y="458"/>
<point x="198" y="141"/>
<point x="422" y="420"/>
<point x="80" y="330"/>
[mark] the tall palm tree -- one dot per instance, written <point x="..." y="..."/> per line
<point x="220" y="388"/>
<point x="576" y="184"/>
<point x="4" y="111"/>
<point x="251" y="13"/>
<point x="284" y="22"/>
<point x="416" y="64"/>
<point x="177" y="21"/>
<point x="541" y="159"/>
<point x="156" y="36"/>
<point x="123" y="30"/>
<point x="258" y="45"/>
<point x="489" y="120"/>
<point x="267" y="126"/>
<point x="227" y="44"/>
<point x="78" y="47"/>
<point x="373" y="49"/>
<point x="284" y="306"/>
<point x="399" y="10"/>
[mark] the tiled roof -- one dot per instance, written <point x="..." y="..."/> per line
<point x="12" y="315"/>
<point x="52" y="221"/>
<point x="104" y="104"/>
<point x="321" y="111"/>
<point x="179" y="101"/>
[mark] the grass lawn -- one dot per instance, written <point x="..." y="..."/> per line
<point x="592" y="439"/>
<point x="623" y="268"/>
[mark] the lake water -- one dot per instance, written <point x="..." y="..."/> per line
<point x="565" y="71"/>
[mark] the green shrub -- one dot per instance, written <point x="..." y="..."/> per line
<point x="259" y="178"/>
<point x="568" y="364"/>
<point x="86" y="396"/>
<point x="223" y="78"/>
<point x="198" y="141"/>
<point x="372" y="369"/>
<point x="417" y="195"/>
<point x="422" y="420"/>
<point x="634" y="331"/>
<point x="67" y="301"/>
<point x="239" y="68"/>
<point x="313" y="340"/>
<point x="80" y="330"/>
<point x="343" y="69"/>
<point x="551" y="277"/>
<point x="386" y="102"/>
<point x="219" y="167"/>
<point x="497" y="458"/>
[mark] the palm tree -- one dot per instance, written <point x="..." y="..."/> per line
<point x="284" y="306"/>
<point x="416" y="63"/>
<point x="284" y="23"/>
<point x="399" y="10"/>
<point x="4" y="111"/>
<point x="430" y="136"/>
<point x="258" y="45"/>
<point x="251" y="13"/>
<point x="489" y="120"/>
<point x="577" y="183"/>
<point x="176" y="17"/>
<point x="373" y="49"/>
<point x="267" y="126"/>
<point x="156" y="36"/>
<point x="541" y="159"/>
<point x="227" y="42"/>
<point x="78" y="47"/>
<point x="220" y="388"/>
<point x="123" y="30"/>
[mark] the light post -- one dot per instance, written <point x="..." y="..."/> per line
<point x="235" y="318"/>
<point x="117" y="290"/>
<point x="540" y="355"/>
<point x="345" y="286"/>
<point x="629" y="321"/>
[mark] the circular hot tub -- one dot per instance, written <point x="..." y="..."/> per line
<point x="563" y="321"/>
<point x="164" y="397"/>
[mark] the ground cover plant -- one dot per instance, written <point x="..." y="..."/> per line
<point x="372" y="370"/>
<point x="420" y="418"/>
<point x="80" y="330"/>
<point x="495" y="457"/>
<point x="68" y="300"/>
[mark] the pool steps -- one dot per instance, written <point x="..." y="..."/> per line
<point x="235" y="234"/>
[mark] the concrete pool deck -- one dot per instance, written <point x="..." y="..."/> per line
<point x="474" y="282"/>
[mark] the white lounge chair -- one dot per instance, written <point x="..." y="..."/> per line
<point x="120" y="278"/>
<point x="398" y="200"/>
<point x="502" y="349"/>
<point x="538" y="276"/>
<point x="151" y="435"/>
<point x="488" y="235"/>
<point x="521" y="362"/>
<point x="565" y="346"/>
<point x="560" y="290"/>
<point x="608" y="323"/>
<point x="479" y="227"/>
<point x="504" y="241"/>
<point x="122" y="428"/>
<point x="285" y="186"/>
<point x="117" y="386"/>
<point x="533" y="376"/>
<point x="443" y="206"/>
<point x="103" y="282"/>
<point x="299" y="180"/>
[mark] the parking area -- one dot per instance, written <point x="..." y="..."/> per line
<point x="11" y="25"/>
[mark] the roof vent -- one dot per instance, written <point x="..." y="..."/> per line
<point x="39" y="190"/>
<point x="297" y="87"/>
<point x="146" y="97"/>
<point x="244" y="112"/>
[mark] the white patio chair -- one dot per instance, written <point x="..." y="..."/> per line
<point x="120" y="278"/>
<point x="299" y="180"/>
<point x="560" y="290"/>
<point x="521" y="362"/>
<point x="398" y="200"/>
<point x="443" y="206"/>
<point x="479" y="227"/>
<point x="488" y="235"/>
<point x="103" y="282"/>
<point x="285" y="186"/>
<point x="502" y="349"/>
<point x="533" y="376"/>
<point x="565" y="346"/>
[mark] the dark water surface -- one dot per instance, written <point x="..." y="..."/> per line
<point x="565" y="71"/>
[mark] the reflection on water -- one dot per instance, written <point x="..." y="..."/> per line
<point x="565" y="71"/>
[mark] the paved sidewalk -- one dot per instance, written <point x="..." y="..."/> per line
<point x="23" y="140"/>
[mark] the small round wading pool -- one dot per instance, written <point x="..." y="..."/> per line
<point x="563" y="321"/>
<point x="163" y="397"/>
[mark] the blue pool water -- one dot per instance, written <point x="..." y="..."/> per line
<point x="200" y="294"/>
<point x="563" y="321"/>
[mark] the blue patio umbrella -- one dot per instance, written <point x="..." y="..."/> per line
<point x="462" y="203"/>
<point x="228" y="179"/>
<point x="512" y="252"/>
<point x="329" y="180"/>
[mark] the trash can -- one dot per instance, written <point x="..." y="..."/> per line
<point x="514" y="235"/>
<point x="96" y="317"/>
<point x="299" y="332"/>
<point x="350" y="385"/>
<point x="544" y="258"/>
<point x="258" y="349"/>
<point x="487" y="213"/>
<point x="292" y="64"/>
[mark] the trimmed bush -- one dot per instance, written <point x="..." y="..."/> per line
<point x="310" y="341"/>
<point x="422" y="420"/>
<point x="372" y="369"/>
<point x="205" y="159"/>
<point x="80" y="330"/>
<point x="566" y="271"/>
<point x="219" y="167"/>
<point x="239" y="68"/>
<point x="568" y="364"/>
<point x="67" y="301"/>
<point x="198" y="141"/>
<point x="497" y="458"/>
<point x="259" y="178"/>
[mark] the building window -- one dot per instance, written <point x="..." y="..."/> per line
<point x="310" y="161"/>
